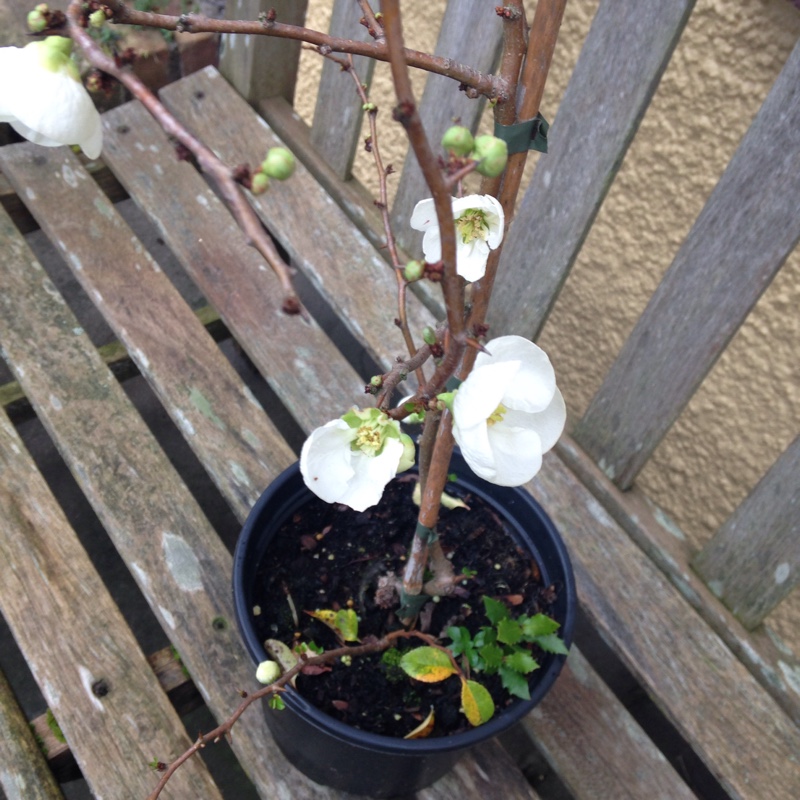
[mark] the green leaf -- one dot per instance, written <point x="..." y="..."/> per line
<point x="492" y="656"/>
<point x="515" y="683"/>
<point x="427" y="664"/>
<point x="461" y="640"/>
<point x="476" y="702"/>
<point x="538" y="625"/>
<point x="344" y="623"/>
<point x="552" y="644"/>
<point x="276" y="702"/>
<point x="495" y="610"/>
<point x="509" y="631"/>
<point x="521" y="661"/>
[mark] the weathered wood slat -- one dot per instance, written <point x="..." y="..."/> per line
<point x="753" y="561"/>
<point x="620" y="65"/>
<point x="593" y="743"/>
<point x="296" y="357"/>
<point x="476" y="44"/>
<point x="24" y="774"/>
<point x="314" y="231"/>
<point x="741" y="238"/>
<point x="738" y="730"/>
<point x="771" y="662"/>
<point x="83" y="655"/>
<point x="262" y="66"/>
<point x="338" y="113"/>
<point x="215" y="411"/>
<point x="177" y="559"/>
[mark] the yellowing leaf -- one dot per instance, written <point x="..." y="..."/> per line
<point x="427" y="664"/>
<point x="343" y="623"/>
<point x="424" y="729"/>
<point x="476" y="702"/>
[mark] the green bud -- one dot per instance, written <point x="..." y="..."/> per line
<point x="259" y="183"/>
<point x="409" y="453"/>
<point x="492" y="155"/>
<point x="97" y="18"/>
<point x="429" y="335"/>
<point x="376" y="380"/>
<point x="279" y="163"/>
<point x="413" y="271"/>
<point x="458" y="140"/>
<point x="369" y="107"/>
<point x="268" y="672"/>
<point x="37" y="21"/>
<point x="446" y="399"/>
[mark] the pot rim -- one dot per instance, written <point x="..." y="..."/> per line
<point x="290" y="499"/>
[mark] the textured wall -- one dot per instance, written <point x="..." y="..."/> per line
<point x="748" y="410"/>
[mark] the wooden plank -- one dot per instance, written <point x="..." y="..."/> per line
<point x="621" y="62"/>
<point x="753" y="561"/>
<point x="593" y="743"/>
<point x="308" y="224"/>
<point x="219" y="417"/>
<point x="262" y="66"/>
<point x="295" y="356"/>
<point x="741" y="734"/>
<point x="83" y="655"/>
<point x="741" y="238"/>
<point x="24" y="774"/>
<point x="476" y="44"/>
<point x="337" y="115"/>
<point x="770" y="661"/>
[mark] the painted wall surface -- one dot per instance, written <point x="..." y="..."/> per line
<point x="748" y="409"/>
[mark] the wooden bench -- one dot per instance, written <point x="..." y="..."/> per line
<point x="728" y="693"/>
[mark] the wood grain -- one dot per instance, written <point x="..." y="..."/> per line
<point x="738" y="243"/>
<point x="83" y="655"/>
<point x="218" y="416"/>
<point x="335" y="132"/>
<point x="627" y="49"/>
<point x="476" y="44"/>
<point x="24" y="774"/>
<point x="262" y="66"/>
<point x="735" y="727"/>
<point x="753" y="561"/>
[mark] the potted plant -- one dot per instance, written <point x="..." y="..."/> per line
<point x="473" y="639"/>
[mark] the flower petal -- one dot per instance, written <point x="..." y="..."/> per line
<point x="432" y="245"/>
<point x="534" y="385"/>
<point x="471" y="260"/>
<point x="424" y="215"/>
<point x="517" y="454"/>
<point x="482" y="392"/>
<point x="325" y="460"/>
<point x="371" y="474"/>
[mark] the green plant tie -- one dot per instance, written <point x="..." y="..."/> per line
<point x="426" y="534"/>
<point x="411" y="604"/>
<point x="521" y="136"/>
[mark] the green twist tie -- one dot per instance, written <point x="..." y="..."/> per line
<point x="425" y="534"/>
<point x="522" y="136"/>
<point x="411" y="604"/>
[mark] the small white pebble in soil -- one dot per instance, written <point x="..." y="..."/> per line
<point x="497" y="566"/>
<point x="256" y="611"/>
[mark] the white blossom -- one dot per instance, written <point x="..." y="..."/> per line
<point x="508" y="412"/>
<point x="43" y="99"/>
<point x="479" y="224"/>
<point x="351" y="459"/>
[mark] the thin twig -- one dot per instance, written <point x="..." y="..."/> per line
<point x="231" y="192"/>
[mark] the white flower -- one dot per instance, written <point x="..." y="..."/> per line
<point x="479" y="228"/>
<point x="42" y="97"/>
<point x="350" y="460"/>
<point x="508" y="412"/>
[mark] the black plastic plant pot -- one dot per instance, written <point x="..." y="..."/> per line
<point x="346" y="758"/>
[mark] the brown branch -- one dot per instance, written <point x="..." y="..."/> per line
<point x="231" y="192"/>
<point x="482" y="84"/>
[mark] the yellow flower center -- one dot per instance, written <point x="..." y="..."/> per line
<point x="497" y="415"/>
<point x="472" y="225"/>
<point x="368" y="440"/>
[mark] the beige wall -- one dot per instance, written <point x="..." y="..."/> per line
<point x="748" y="410"/>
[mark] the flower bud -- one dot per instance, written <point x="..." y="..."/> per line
<point x="279" y="163"/>
<point x="458" y="140"/>
<point x="369" y="107"/>
<point x="268" y="672"/>
<point x="429" y="335"/>
<point x="491" y="154"/>
<point x="259" y="183"/>
<point x="97" y="18"/>
<point x="37" y="20"/>
<point x="413" y="271"/>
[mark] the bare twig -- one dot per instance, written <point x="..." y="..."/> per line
<point x="231" y="192"/>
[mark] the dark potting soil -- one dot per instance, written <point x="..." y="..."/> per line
<point x="330" y="557"/>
